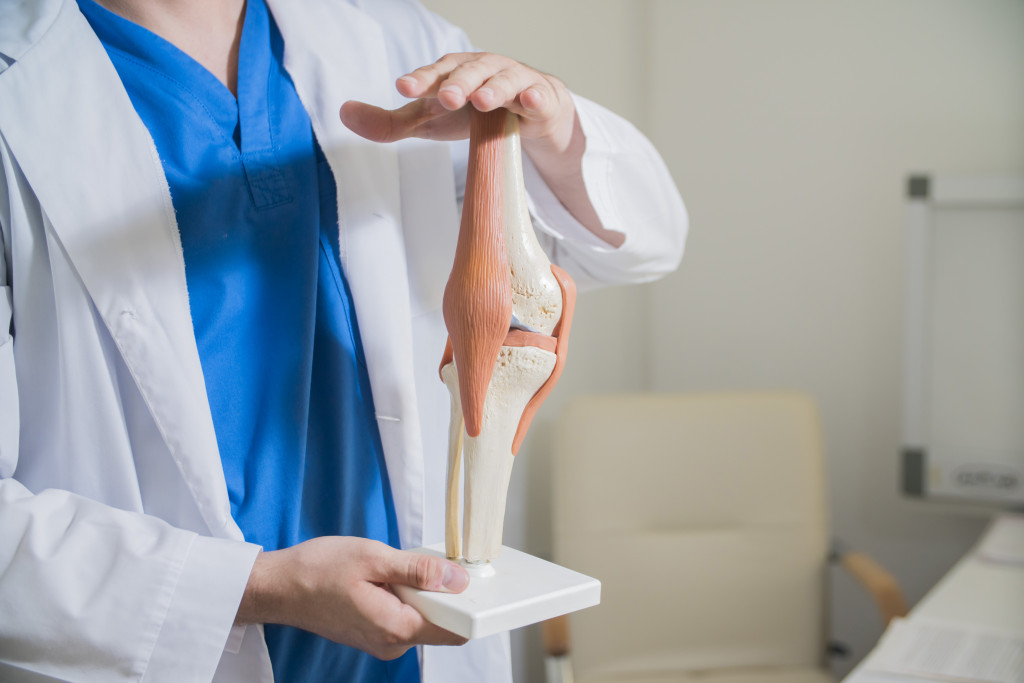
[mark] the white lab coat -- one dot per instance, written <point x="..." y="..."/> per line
<point x="119" y="558"/>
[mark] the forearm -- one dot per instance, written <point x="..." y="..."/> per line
<point x="562" y="171"/>
<point x="632" y="193"/>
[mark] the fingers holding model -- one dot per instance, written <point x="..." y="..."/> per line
<point x="550" y="130"/>
<point x="490" y="81"/>
<point x="485" y="80"/>
<point x="339" y="588"/>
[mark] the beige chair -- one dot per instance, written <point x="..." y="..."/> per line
<point x="704" y="516"/>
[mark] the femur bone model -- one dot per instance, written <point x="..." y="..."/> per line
<point x="508" y="311"/>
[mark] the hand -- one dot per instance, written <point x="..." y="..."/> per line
<point x="338" y="587"/>
<point x="487" y="81"/>
<point x="548" y="126"/>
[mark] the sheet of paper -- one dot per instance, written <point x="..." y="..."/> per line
<point x="1004" y="541"/>
<point x="943" y="651"/>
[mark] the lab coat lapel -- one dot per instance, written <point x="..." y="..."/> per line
<point x="329" y="67"/>
<point x="101" y="186"/>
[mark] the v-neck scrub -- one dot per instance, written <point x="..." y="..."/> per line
<point x="273" y="317"/>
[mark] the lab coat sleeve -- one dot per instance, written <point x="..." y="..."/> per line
<point x="92" y="593"/>
<point x="632" y="192"/>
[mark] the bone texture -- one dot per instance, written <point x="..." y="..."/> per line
<point x="456" y="427"/>
<point x="518" y="374"/>
<point x="536" y="296"/>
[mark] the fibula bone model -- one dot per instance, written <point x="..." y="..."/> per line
<point x="508" y="311"/>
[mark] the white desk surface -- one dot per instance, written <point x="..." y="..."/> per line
<point x="975" y="592"/>
<point x="978" y="593"/>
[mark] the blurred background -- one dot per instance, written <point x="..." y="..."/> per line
<point x="790" y="127"/>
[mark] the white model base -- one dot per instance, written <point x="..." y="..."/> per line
<point x="523" y="590"/>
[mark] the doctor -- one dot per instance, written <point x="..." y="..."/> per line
<point x="223" y="317"/>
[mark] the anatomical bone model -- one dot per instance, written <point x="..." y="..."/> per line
<point x="508" y="313"/>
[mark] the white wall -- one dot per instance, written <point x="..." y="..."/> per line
<point x="790" y="127"/>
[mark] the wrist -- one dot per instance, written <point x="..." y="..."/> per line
<point x="262" y="600"/>
<point x="563" y="143"/>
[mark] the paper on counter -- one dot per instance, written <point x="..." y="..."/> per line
<point x="943" y="651"/>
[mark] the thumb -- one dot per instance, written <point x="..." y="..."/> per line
<point x="425" y="572"/>
<point x="424" y="118"/>
<point x="368" y="121"/>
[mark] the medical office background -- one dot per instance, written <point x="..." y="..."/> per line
<point x="790" y="127"/>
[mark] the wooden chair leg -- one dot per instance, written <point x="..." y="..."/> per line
<point x="557" y="663"/>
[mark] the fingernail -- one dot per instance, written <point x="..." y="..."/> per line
<point x="538" y="100"/>
<point x="408" y="79"/>
<point x="453" y="89"/>
<point x="455" y="578"/>
<point x="487" y="93"/>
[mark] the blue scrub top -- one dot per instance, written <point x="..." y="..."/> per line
<point x="272" y="313"/>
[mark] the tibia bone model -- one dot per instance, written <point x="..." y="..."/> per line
<point x="508" y="313"/>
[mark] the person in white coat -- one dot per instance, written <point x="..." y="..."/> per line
<point x="119" y="556"/>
